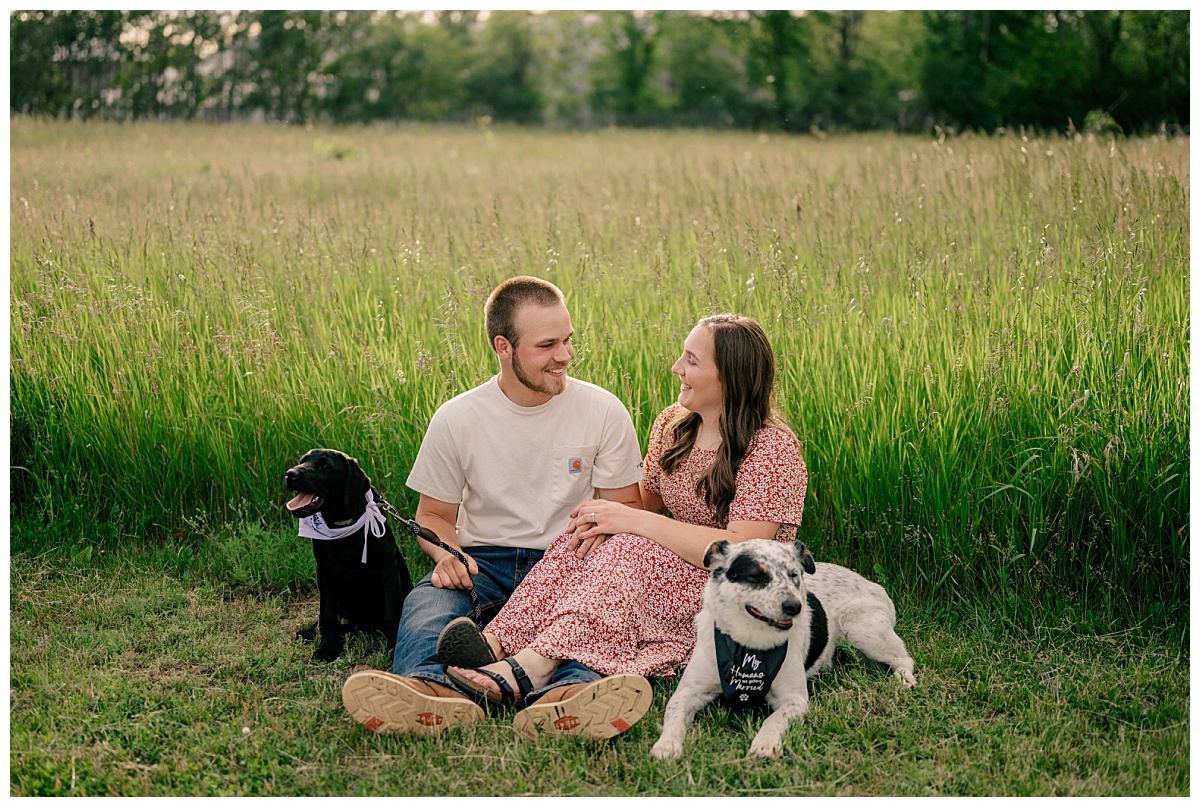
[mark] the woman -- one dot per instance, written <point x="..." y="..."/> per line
<point x="619" y="590"/>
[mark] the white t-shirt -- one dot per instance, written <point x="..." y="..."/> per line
<point x="517" y="472"/>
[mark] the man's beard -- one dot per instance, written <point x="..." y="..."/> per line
<point x="545" y="389"/>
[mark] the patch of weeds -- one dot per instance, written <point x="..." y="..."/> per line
<point x="69" y="526"/>
<point x="333" y="151"/>
<point x="247" y="556"/>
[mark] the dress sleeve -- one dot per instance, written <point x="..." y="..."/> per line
<point x="655" y="445"/>
<point x="771" y="482"/>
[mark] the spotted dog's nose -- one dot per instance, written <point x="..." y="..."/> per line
<point x="792" y="607"/>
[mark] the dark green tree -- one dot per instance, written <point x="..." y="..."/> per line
<point x="1153" y="63"/>
<point x="64" y="62"/>
<point x="623" y="89"/>
<point x="1047" y="69"/>
<point x="398" y="68"/>
<point x="704" y="58"/>
<point x="779" y="69"/>
<point x="286" y="61"/>
<point x="500" y="81"/>
<point x="778" y="47"/>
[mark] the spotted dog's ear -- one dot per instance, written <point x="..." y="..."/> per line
<point x="806" y="558"/>
<point x="714" y="557"/>
<point x="357" y="482"/>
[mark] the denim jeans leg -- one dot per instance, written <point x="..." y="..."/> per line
<point x="569" y="672"/>
<point x="427" y="610"/>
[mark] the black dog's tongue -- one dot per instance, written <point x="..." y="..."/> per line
<point x="301" y="501"/>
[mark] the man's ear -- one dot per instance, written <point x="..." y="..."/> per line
<point x="502" y="346"/>
<point x="714" y="557"/>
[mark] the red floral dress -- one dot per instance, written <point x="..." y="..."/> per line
<point x="629" y="606"/>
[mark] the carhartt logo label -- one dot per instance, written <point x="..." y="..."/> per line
<point x="575" y="465"/>
<point x="566" y="723"/>
<point x="428" y="719"/>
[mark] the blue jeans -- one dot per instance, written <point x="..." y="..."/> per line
<point x="427" y="610"/>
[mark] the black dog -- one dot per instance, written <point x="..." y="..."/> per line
<point x="361" y="576"/>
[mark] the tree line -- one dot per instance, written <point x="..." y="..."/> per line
<point x="794" y="71"/>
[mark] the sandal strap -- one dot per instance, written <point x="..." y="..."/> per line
<point x="523" y="682"/>
<point x="506" y="691"/>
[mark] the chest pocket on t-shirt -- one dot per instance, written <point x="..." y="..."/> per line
<point x="572" y="474"/>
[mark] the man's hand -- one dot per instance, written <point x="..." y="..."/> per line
<point x="449" y="572"/>
<point x="438" y="517"/>
<point x="583" y="546"/>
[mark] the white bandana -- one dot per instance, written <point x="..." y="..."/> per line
<point x="372" y="521"/>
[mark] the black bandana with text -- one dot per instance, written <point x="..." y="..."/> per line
<point x="746" y="673"/>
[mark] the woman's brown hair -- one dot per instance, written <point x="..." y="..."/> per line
<point x="746" y="370"/>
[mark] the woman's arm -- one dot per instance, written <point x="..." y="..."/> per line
<point x="688" y="541"/>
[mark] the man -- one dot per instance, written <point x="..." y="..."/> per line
<point x="498" y="473"/>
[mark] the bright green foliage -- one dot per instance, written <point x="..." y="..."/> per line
<point x="983" y="342"/>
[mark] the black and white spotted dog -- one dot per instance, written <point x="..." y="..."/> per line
<point x="770" y="619"/>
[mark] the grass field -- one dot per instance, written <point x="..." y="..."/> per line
<point x="983" y="345"/>
<point x="130" y="679"/>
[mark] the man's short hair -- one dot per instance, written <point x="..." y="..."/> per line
<point x="500" y="311"/>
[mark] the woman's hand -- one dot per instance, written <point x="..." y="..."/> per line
<point x="595" y="520"/>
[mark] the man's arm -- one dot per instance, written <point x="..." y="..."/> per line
<point x="652" y="502"/>
<point x="630" y="495"/>
<point x="440" y="517"/>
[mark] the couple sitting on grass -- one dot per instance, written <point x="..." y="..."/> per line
<point x="537" y="478"/>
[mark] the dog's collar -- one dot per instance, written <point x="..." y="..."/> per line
<point x="746" y="672"/>
<point x="372" y="522"/>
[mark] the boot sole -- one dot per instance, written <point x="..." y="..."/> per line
<point x="603" y="709"/>
<point x="384" y="703"/>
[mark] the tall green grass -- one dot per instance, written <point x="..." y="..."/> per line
<point x="983" y="342"/>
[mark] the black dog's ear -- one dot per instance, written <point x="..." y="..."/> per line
<point x="716" y="553"/>
<point x="357" y="482"/>
<point x="806" y="558"/>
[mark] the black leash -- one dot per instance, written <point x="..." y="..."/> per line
<point x="426" y="534"/>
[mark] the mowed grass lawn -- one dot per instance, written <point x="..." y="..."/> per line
<point x="128" y="680"/>
<point x="983" y="346"/>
